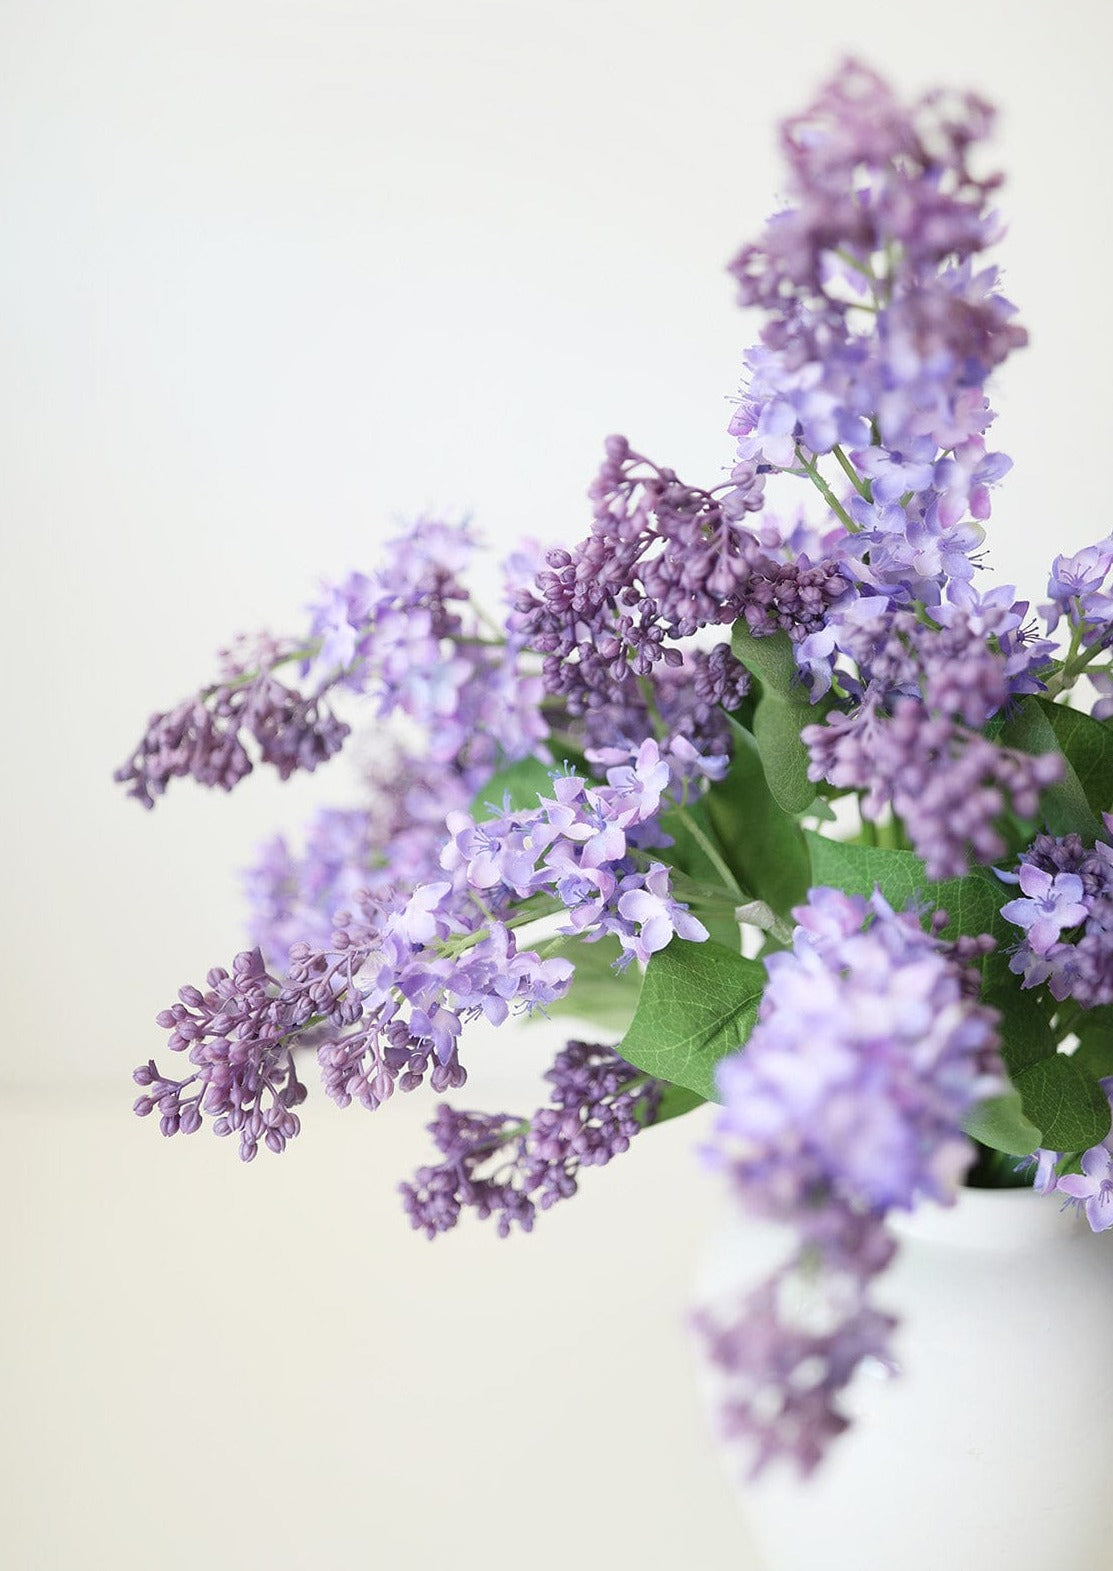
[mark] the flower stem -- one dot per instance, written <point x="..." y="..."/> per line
<point x="811" y="469"/>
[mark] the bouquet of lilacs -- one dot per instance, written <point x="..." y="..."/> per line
<point x="805" y="819"/>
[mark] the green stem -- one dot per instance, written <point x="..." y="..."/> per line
<point x="812" y="471"/>
<point x="646" y="688"/>
<point x="863" y="487"/>
<point x="711" y="851"/>
<point x="1075" y="665"/>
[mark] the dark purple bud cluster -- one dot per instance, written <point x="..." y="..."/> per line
<point x="691" y="699"/>
<point x="203" y="737"/>
<point x="949" y="785"/>
<point x="506" y="1167"/>
<point x="664" y="559"/>
<point x="237" y="1034"/>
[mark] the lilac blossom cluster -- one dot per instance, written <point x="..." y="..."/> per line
<point x="880" y="331"/>
<point x="503" y="1166"/>
<point x="663" y="561"/>
<point x="385" y="846"/>
<point x="387" y="997"/>
<point x="385" y="1001"/>
<point x="716" y="672"/>
<point x="1065" y="911"/>
<point x="910" y="738"/>
<point x="203" y="738"/>
<point x="847" y="1103"/>
<point x="587" y="846"/>
<point x="407" y="635"/>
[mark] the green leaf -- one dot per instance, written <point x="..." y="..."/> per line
<point x="1065" y="1103"/>
<point x="999" y="1122"/>
<point x="518" y="787"/>
<point x="598" y="993"/>
<point x="1095" y="1042"/>
<point x="675" y="1102"/>
<point x="1087" y="745"/>
<point x="782" y="709"/>
<point x="698" y="1003"/>
<point x="1026" y="1034"/>
<point x="785" y="758"/>
<point x="1065" y="806"/>
<point x="773" y="661"/>
<point x="972" y="903"/>
<point x="762" y="844"/>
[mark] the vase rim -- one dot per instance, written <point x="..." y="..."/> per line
<point x="992" y="1219"/>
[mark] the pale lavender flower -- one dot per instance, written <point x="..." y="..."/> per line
<point x="1092" y="1189"/>
<point x="1079" y="966"/>
<point x="650" y="908"/>
<point x="1076" y="590"/>
<point x="1053" y="901"/>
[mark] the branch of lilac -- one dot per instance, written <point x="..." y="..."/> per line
<point x="761" y="779"/>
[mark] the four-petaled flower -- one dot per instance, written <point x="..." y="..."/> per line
<point x="1092" y="1189"/>
<point x="1054" y="902"/>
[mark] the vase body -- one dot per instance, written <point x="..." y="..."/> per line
<point x="993" y="1447"/>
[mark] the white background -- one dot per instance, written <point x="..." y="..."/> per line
<point x="276" y="277"/>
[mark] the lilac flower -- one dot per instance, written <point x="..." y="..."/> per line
<point x="392" y="842"/>
<point x="1076" y="590"/>
<point x="384" y="1002"/>
<point x="781" y="1359"/>
<point x="880" y="330"/>
<point x="203" y="737"/>
<point x="401" y="634"/>
<point x="507" y="1167"/>
<point x="910" y="738"/>
<point x="586" y="845"/>
<point x="650" y="908"/>
<point x="1052" y="902"/>
<point x="1076" y="884"/>
<point x="664" y="560"/>
<point x="1092" y="1189"/>
<point x="1042" y="1163"/>
<point x="847" y="1102"/>
<point x="865" y="1058"/>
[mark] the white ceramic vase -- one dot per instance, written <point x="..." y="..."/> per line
<point x="993" y="1448"/>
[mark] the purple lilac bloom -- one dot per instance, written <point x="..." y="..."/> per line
<point x="503" y="1166"/>
<point x="880" y="332"/>
<point x="663" y="561"/>
<point x="203" y="738"/>
<point x="387" y="996"/>
<point x="586" y="845"/>
<point x="846" y="1103"/>
<point x="1067" y="889"/>
<point x="1091" y="1190"/>
<point x="780" y="1359"/>
<point x="1052" y="902"/>
<point x="407" y="634"/>
<point x="919" y="693"/>
<point x="386" y="1001"/>
<point x="1077" y="590"/>
<point x="690" y="700"/>
<point x="387" y="846"/>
